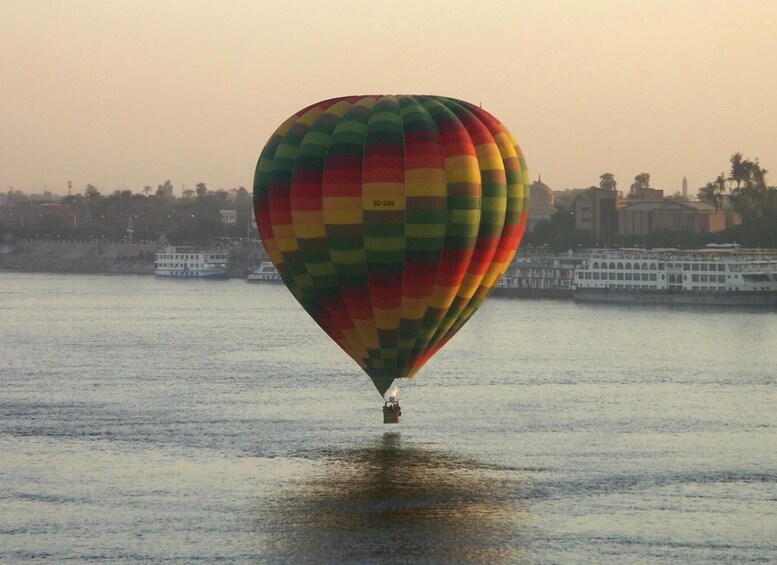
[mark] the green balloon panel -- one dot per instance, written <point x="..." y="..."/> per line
<point x="390" y="219"/>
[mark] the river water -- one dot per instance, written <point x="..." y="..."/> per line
<point x="146" y="420"/>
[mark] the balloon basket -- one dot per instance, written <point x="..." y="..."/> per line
<point x="391" y="412"/>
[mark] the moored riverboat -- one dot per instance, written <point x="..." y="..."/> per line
<point x="539" y="277"/>
<point x="190" y="262"/>
<point x="712" y="276"/>
<point x="265" y="272"/>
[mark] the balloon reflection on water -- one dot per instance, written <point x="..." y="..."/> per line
<point x="388" y="503"/>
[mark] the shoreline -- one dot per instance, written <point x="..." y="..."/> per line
<point x="99" y="257"/>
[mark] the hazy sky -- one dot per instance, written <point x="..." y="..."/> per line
<point x="127" y="93"/>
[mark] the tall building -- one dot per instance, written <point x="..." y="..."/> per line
<point x="596" y="211"/>
<point x="685" y="188"/>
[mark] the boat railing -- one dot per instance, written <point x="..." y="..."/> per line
<point x="754" y="267"/>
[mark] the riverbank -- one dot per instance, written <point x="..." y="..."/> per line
<point x="100" y="257"/>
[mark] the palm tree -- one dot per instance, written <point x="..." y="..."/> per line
<point x="749" y="194"/>
<point x="714" y="192"/>
<point x="739" y="170"/>
<point x="607" y="181"/>
<point x="707" y="194"/>
<point x="639" y="186"/>
<point x="759" y="175"/>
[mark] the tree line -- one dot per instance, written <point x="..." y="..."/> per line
<point x="742" y="189"/>
<point x="745" y="190"/>
<point x="194" y="217"/>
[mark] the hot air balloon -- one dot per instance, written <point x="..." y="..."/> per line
<point x="391" y="219"/>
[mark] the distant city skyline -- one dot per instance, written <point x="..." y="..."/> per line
<point x="178" y="191"/>
<point x="124" y="94"/>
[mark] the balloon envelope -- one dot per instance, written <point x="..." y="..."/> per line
<point x="390" y="219"/>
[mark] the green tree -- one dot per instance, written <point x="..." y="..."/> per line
<point x="739" y="170"/>
<point x="558" y="234"/>
<point x="244" y="206"/>
<point x="639" y="186"/>
<point x="713" y="192"/>
<point x="165" y="189"/>
<point x="744" y="187"/>
<point x="607" y="182"/>
<point x="749" y="194"/>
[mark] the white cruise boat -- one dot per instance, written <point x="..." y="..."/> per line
<point x="538" y="277"/>
<point x="715" y="276"/>
<point x="265" y="272"/>
<point x="191" y="263"/>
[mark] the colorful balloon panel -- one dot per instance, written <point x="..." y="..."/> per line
<point x="391" y="219"/>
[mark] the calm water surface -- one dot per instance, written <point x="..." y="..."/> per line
<point x="146" y="420"/>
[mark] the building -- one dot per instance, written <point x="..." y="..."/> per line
<point x="228" y="217"/>
<point x="646" y="217"/>
<point x="695" y="217"/>
<point x="596" y="212"/>
<point x="651" y="195"/>
<point x="540" y="204"/>
<point x="635" y="219"/>
<point x="565" y="199"/>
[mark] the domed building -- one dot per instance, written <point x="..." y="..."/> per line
<point x="540" y="203"/>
